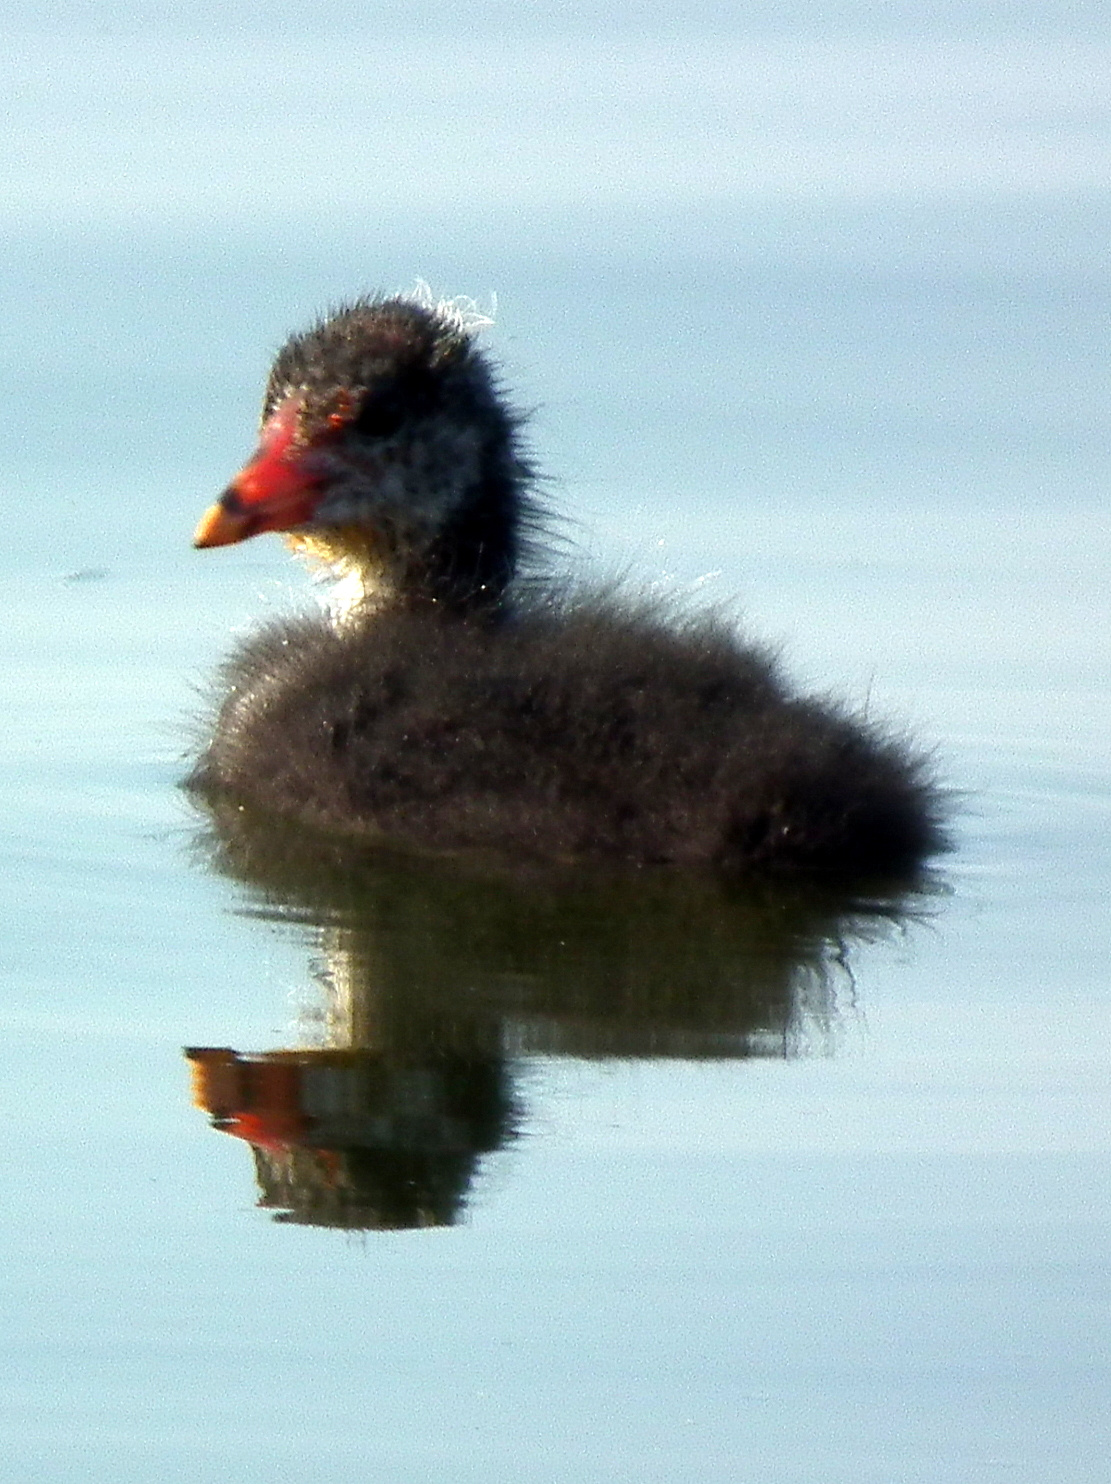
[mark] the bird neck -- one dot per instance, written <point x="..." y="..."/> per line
<point x="464" y="567"/>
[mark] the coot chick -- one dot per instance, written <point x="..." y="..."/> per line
<point x="452" y="705"/>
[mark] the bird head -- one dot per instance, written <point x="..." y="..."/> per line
<point x="385" y="450"/>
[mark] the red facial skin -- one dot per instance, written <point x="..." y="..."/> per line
<point x="274" y="491"/>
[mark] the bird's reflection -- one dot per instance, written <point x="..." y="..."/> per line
<point x="436" y="978"/>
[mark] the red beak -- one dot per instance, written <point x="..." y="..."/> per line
<point x="273" y="492"/>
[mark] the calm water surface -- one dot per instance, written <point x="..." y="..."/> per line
<point x="591" y="1180"/>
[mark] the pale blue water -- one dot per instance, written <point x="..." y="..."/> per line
<point x="813" y="317"/>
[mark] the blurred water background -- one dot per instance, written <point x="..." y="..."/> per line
<point x="810" y="304"/>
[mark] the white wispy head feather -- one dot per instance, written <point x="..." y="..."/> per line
<point x="461" y="313"/>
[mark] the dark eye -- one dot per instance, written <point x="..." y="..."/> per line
<point x="381" y="415"/>
<point x="408" y="397"/>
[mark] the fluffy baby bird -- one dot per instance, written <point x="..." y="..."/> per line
<point x="451" y="704"/>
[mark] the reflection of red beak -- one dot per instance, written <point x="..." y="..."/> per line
<point x="256" y="1100"/>
<point x="273" y="492"/>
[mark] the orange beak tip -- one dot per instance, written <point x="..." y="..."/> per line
<point x="219" y="527"/>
